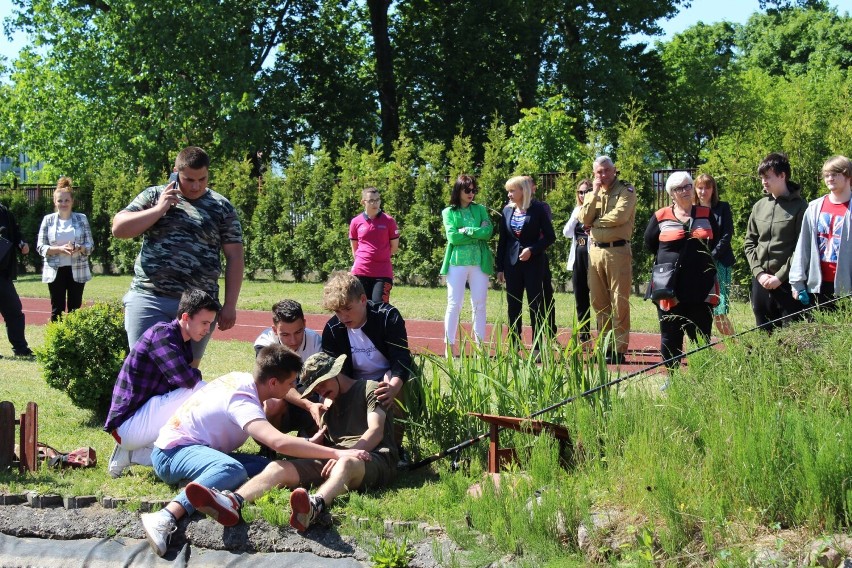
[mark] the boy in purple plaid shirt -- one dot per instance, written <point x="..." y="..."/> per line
<point x="156" y="378"/>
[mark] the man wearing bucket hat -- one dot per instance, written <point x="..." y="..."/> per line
<point x="200" y="439"/>
<point x="355" y="420"/>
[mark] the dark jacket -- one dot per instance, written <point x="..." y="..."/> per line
<point x="773" y="231"/>
<point x="688" y="247"/>
<point x="9" y="230"/>
<point x="384" y="327"/>
<point x="537" y="233"/>
<point x="722" y="252"/>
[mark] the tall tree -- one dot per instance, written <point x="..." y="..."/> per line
<point x="141" y="79"/>
<point x="385" y="79"/>
<point x="695" y="98"/>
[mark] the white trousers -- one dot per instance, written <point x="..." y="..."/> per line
<point x="142" y="429"/>
<point x="478" y="281"/>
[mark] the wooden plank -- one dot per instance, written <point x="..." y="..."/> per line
<point x="29" y="438"/>
<point x="7" y="434"/>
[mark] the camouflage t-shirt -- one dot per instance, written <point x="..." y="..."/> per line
<point x="181" y="250"/>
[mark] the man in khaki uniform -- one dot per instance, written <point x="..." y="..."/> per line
<point x="610" y="210"/>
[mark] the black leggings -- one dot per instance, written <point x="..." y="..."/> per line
<point x="377" y="289"/>
<point x="64" y="286"/>
<point x="580" y="283"/>
<point x="694" y="319"/>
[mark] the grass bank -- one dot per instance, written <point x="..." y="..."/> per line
<point x="748" y="442"/>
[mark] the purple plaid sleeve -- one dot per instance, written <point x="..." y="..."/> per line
<point x="157" y="364"/>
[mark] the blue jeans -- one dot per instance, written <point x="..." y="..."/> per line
<point x="141" y="311"/>
<point x="206" y="466"/>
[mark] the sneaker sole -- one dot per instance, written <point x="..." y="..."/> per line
<point x="300" y="505"/>
<point x="204" y="501"/>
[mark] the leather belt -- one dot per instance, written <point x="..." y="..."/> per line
<point x="620" y="243"/>
<point x="581" y="241"/>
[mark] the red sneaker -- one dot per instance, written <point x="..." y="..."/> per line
<point x="219" y="505"/>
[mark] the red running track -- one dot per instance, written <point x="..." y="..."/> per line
<point x="423" y="335"/>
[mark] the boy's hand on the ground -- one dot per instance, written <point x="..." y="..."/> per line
<point x="387" y="390"/>
<point x="227" y="317"/>
<point x="326" y="469"/>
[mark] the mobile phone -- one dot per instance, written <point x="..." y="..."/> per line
<point x="174" y="178"/>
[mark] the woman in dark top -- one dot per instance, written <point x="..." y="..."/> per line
<point x="684" y="234"/>
<point x="707" y="195"/>
<point x="525" y="233"/>
<point x="578" y="260"/>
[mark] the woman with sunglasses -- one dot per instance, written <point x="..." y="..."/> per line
<point x="525" y="233"/>
<point x="65" y="242"/>
<point x="683" y="235"/>
<point x="578" y="260"/>
<point x="468" y="259"/>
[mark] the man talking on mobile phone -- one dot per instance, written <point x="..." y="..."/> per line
<point x="184" y="225"/>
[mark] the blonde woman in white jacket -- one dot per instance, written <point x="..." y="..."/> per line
<point x="65" y="242"/>
<point x="578" y="261"/>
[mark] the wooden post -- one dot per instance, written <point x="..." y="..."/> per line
<point x="7" y="434"/>
<point x="29" y="438"/>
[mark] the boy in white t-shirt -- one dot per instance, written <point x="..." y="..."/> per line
<point x="374" y="338"/>
<point x="289" y="328"/>
<point x="195" y="444"/>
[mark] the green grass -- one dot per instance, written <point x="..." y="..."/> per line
<point x="413" y="302"/>
<point x="751" y="440"/>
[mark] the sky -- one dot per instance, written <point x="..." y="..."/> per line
<point x="707" y="11"/>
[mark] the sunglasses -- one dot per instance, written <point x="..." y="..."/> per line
<point x="584" y="191"/>
<point x="468" y="191"/>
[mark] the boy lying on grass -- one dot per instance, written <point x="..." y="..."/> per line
<point x="195" y="444"/>
<point x="355" y="420"/>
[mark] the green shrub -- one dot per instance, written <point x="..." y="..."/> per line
<point x="83" y="353"/>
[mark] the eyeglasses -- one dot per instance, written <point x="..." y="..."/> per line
<point x="682" y="188"/>
<point x="373" y="201"/>
<point x="584" y="191"/>
<point x="469" y="190"/>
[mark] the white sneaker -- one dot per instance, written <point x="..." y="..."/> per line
<point x="158" y="527"/>
<point x="118" y="461"/>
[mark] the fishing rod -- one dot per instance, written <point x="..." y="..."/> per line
<point x="467" y="443"/>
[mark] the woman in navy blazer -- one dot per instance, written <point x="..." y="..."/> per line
<point x="526" y="231"/>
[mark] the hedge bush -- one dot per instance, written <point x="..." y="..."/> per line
<point x="83" y="353"/>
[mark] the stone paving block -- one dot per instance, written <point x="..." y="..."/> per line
<point x="79" y="502"/>
<point x="37" y="501"/>
<point x="13" y="499"/>
<point x="152" y="505"/>
<point x="113" y="502"/>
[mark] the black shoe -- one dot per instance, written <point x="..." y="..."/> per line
<point x="404" y="459"/>
<point x="25" y="353"/>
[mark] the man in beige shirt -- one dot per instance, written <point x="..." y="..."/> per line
<point x="610" y="210"/>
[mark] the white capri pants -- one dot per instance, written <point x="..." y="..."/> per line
<point x="478" y="280"/>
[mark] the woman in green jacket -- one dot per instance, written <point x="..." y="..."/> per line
<point x="468" y="258"/>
